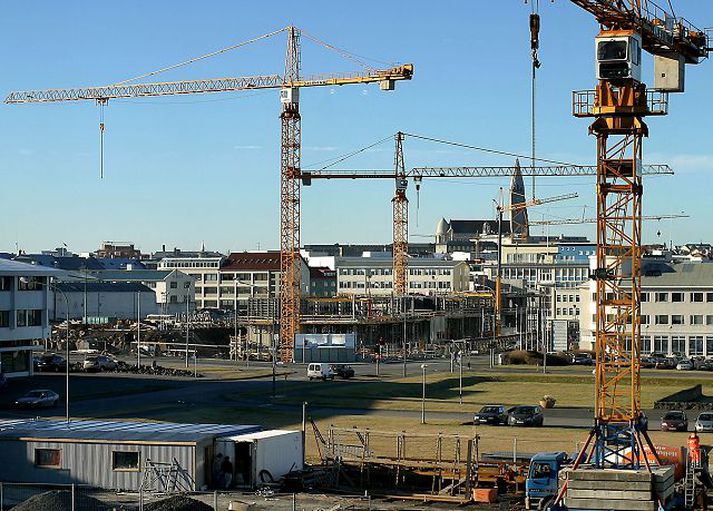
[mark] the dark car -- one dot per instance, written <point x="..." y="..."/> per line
<point x="582" y="359"/>
<point x="491" y="414"/>
<point x="50" y="363"/>
<point x="674" y="421"/>
<point x="343" y="371"/>
<point x="525" y="415"/>
<point x="42" y="398"/>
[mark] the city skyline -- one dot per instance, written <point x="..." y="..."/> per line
<point x="182" y="171"/>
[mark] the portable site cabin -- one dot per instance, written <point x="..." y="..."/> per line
<point x="111" y="454"/>
<point x="262" y="457"/>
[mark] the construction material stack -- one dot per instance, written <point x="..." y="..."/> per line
<point x="591" y="488"/>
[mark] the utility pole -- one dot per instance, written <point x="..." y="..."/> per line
<point x="187" y="327"/>
<point x="138" y="329"/>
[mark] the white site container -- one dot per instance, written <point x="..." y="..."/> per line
<point x="262" y="457"/>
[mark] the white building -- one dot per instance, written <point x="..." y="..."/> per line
<point x="374" y="275"/>
<point x="24" y="318"/>
<point x="102" y="302"/>
<point x="204" y="270"/>
<point x="676" y="309"/>
<point x="174" y="289"/>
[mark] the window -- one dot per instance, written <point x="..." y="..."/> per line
<point x="709" y="345"/>
<point x="644" y="297"/>
<point x="123" y="460"/>
<point x="644" y="319"/>
<point x="174" y="285"/>
<point x="709" y="320"/>
<point x="48" y="458"/>
<point x="6" y="284"/>
<point x="662" y="297"/>
<point x="645" y="344"/>
<point x="4" y="319"/>
<point x="697" y="297"/>
<point x="677" y="297"/>
<point x="709" y="297"/>
<point x="696" y="319"/>
<point x="661" y="344"/>
<point x="661" y="319"/>
<point x="212" y="277"/>
<point x="695" y="345"/>
<point x="677" y="319"/>
<point x="678" y="345"/>
<point x="30" y="283"/>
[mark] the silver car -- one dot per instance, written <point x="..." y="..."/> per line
<point x="42" y="398"/>
<point x="704" y="423"/>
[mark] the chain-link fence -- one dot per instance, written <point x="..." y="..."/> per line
<point x="75" y="497"/>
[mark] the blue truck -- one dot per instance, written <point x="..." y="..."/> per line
<point x="541" y="483"/>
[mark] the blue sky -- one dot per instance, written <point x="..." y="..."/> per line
<point x="182" y="171"/>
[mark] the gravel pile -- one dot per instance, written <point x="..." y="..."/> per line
<point x="61" y="501"/>
<point x="178" y="503"/>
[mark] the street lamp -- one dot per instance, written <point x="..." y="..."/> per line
<point x="423" y="393"/>
<point x="55" y="289"/>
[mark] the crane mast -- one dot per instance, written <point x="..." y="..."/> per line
<point x="618" y="107"/>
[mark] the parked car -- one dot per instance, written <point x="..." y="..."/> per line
<point x="684" y="365"/>
<point x="674" y="421"/>
<point x="99" y="363"/>
<point x="707" y="364"/>
<point x="582" y="359"/>
<point x="343" y="371"/>
<point x="704" y="423"/>
<point x="525" y="415"/>
<point x="42" y="398"/>
<point x="320" y="371"/>
<point x="666" y="363"/>
<point x="491" y="414"/>
<point x="50" y="362"/>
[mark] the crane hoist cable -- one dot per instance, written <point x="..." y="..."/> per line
<point x="534" y="47"/>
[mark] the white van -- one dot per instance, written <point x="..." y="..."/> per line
<point x="320" y="370"/>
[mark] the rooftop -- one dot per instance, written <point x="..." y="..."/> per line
<point x="103" y="287"/>
<point x="132" y="275"/>
<point x="9" y="267"/>
<point x="114" y="430"/>
<point x="260" y="261"/>
<point x="688" y="275"/>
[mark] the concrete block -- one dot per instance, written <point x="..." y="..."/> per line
<point x="592" y="474"/>
<point x="609" y="494"/>
<point x="610" y="485"/>
<point x="615" y="505"/>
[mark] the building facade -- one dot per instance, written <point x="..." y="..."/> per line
<point x="174" y="290"/>
<point x="102" y="302"/>
<point x="374" y="275"/>
<point x="24" y="318"/>
<point x="246" y="275"/>
<point x="205" y="271"/>
<point x="676" y="309"/>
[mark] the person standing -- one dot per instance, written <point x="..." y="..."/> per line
<point x="227" y="469"/>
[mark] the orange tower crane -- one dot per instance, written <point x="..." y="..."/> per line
<point x="618" y="106"/>
<point x="289" y="84"/>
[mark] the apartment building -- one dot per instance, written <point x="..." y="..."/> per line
<point x="246" y="275"/>
<point x="24" y="318"/>
<point x="204" y="269"/>
<point x="374" y="275"/>
<point x="676" y="309"/>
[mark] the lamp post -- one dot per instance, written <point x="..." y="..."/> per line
<point x="404" y="340"/>
<point x="423" y="393"/>
<point x="138" y="329"/>
<point x="55" y="289"/>
<point x="188" y="301"/>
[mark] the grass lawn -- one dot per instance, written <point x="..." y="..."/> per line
<point x="509" y="388"/>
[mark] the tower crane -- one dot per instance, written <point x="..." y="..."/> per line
<point x="401" y="175"/>
<point x="575" y="221"/>
<point x="618" y="106"/>
<point x="289" y="85"/>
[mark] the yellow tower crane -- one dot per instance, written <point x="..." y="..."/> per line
<point x="289" y="85"/>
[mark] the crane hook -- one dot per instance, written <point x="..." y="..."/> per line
<point x="102" y="102"/>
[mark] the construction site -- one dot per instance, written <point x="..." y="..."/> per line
<point x="434" y="430"/>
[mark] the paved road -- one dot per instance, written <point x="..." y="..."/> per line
<point x="119" y="395"/>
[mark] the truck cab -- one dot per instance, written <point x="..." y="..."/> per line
<point x="541" y="484"/>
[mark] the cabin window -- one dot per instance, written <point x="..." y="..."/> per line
<point x="48" y="458"/>
<point x="124" y="460"/>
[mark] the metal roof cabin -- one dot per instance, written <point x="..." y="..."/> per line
<point x="111" y="454"/>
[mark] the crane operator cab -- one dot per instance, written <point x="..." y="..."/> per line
<point x="618" y="55"/>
